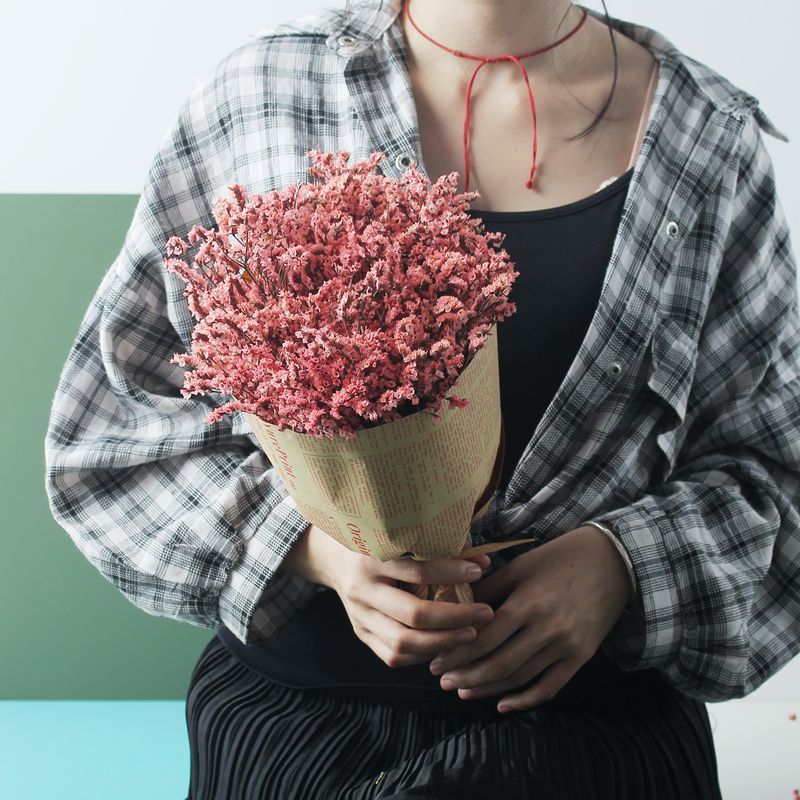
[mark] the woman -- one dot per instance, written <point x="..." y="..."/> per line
<point x="650" y="389"/>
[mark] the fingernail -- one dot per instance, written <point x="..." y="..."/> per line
<point x="472" y="571"/>
<point x="484" y="614"/>
<point x="446" y="683"/>
<point x="436" y="666"/>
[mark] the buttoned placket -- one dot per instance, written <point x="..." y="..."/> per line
<point x="618" y="332"/>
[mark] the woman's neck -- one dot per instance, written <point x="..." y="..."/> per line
<point x="493" y="27"/>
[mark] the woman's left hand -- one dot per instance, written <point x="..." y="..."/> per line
<point x="561" y="600"/>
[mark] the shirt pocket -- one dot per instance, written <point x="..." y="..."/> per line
<point x="670" y="375"/>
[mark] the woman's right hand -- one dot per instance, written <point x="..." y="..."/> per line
<point x="400" y="628"/>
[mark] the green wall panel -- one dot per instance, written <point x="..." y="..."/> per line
<point x="66" y="631"/>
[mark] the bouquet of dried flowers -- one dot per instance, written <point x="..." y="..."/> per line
<point x="350" y="305"/>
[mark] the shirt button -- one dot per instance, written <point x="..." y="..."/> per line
<point x="403" y="160"/>
<point x="346" y="42"/>
<point x="672" y="229"/>
<point x="614" y="369"/>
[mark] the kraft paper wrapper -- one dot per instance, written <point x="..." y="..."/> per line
<point x="407" y="488"/>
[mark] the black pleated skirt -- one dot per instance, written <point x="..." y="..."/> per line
<point x="609" y="734"/>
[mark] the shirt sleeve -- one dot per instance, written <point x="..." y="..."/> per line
<point x="716" y="548"/>
<point x="188" y="520"/>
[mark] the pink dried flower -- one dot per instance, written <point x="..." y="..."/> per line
<point x="457" y="402"/>
<point x="336" y="305"/>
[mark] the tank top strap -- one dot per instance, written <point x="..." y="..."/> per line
<point x="645" y="113"/>
<point x="640" y="129"/>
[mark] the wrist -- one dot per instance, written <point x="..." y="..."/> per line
<point x="622" y="558"/>
<point x="313" y="557"/>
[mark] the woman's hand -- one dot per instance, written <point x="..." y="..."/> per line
<point x="398" y="627"/>
<point x="560" y="601"/>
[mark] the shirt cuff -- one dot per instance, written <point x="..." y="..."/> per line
<point x="258" y="597"/>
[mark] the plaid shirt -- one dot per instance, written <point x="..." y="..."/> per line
<point x="676" y="425"/>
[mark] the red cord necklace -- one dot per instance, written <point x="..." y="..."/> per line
<point x="486" y="60"/>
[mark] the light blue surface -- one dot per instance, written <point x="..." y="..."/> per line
<point x="93" y="750"/>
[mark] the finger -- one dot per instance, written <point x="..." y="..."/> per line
<point x="483" y="560"/>
<point x="504" y="660"/>
<point x="434" y="570"/>
<point x="545" y="688"/>
<point x="495" y="587"/>
<point x="404" y="641"/>
<point x="525" y="673"/>
<point x="490" y="637"/>
<point x="384" y="653"/>
<point x="424" y="614"/>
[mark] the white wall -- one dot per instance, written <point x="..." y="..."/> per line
<point x="89" y="90"/>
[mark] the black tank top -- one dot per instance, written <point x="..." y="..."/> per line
<point x="561" y="254"/>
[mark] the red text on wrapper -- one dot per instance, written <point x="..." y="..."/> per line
<point x="358" y="541"/>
